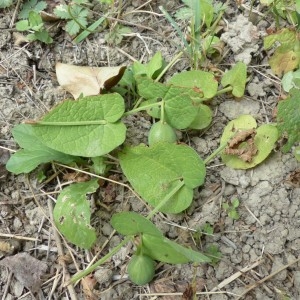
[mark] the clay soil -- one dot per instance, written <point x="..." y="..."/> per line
<point x="259" y="251"/>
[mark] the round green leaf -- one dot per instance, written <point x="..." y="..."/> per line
<point x="86" y="127"/>
<point x="131" y="223"/>
<point x="165" y="250"/>
<point x="203" y="118"/>
<point x="155" y="171"/>
<point x="264" y="140"/>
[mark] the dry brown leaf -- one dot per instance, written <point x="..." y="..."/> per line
<point x="88" y="81"/>
<point x="27" y="269"/>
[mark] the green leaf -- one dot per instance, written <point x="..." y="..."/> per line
<point x="34" y="152"/>
<point x="203" y="118"/>
<point x="61" y="11"/>
<point x="86" y="127"/>
<point x="165" y="250"/>
<point x="264" y="140"/>
<point x="22" y="25"/>
<point x="43" y="36"/>
<point x="99" y="165"/>
<point x="202" y="83"/>
<point x="35" y="21"/>
<point x="288" y="119"/>
<point x="131" y="223"/>
<point x="31" y="5"/>
<point x="178" y="105"/>
<point x="236" y="78"/>
<point x="72" y="214"/>
<point x="297" y="153"/>
<point x="149" y="69"/>
<point x="166" y="165"/>
<point x="72" y="27"/>
<point x="115" y="36"/>
<point x="285" y="37"/>
<point x="5" y="3"/>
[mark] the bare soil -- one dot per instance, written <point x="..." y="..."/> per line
<point x="260" y="250"/>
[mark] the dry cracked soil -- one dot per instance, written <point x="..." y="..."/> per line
<point x="259" y="250"/>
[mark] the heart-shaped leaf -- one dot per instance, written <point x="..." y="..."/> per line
<point x="72" y="213"/>
<point x="166" y="165"/>
<point x="203" y="117"/>
<point x="86" y="127"/>
<point x="34" y="152"/>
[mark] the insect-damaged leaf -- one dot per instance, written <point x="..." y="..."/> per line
<point x="72" y="214"/>
<point x="155" y="171"/>
<point x="264" y="138"/>
<point x="88" y="81"/>
<point x="86" y="127"/>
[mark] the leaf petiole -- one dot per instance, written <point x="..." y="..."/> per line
<point x="68" y="123"/>
<point x="135" y="110"/>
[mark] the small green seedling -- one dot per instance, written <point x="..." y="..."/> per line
<point x="214" y="254"/>
<point x="231" y="208"/>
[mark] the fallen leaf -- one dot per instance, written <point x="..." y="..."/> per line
<point x="27" y="269"/>
<point x="88" y="81"/>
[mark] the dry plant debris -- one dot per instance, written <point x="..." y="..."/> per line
<point x="27" y="269"/>
<point x="243" y="145"/>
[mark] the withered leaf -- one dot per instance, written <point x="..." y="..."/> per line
<point x="27" y="269"/>
<point x="88" y="81"/>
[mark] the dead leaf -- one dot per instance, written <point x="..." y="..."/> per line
<point x="4" y="157"/>
<point x="88" y="81"/>
<point x="243" y="145"/>
<point x="88" y="284"/>
<point x="294" y="179"/>
<point x="27" y="269"/>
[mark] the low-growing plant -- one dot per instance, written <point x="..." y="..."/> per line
<point x="231" y="208"/>
<point x="201" y="40"/>
<point x="91" y="139"/>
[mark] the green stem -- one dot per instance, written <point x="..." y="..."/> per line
<point x="133" y="111"/>
<point x="169" y="65"/>
<point x="165" y="200"/>
<point x="223" y="91"/>
<point x="90" y="269"/>
<point x="70" y="123"/>
<point x="215" y="153"/>
<point x="162" y="111"/>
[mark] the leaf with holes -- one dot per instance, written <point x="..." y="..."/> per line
<point x="86" y="127"/>
<point x="72" y="213"/>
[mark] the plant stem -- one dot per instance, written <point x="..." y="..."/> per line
<point x="169" y="65"/>
<point x="133" y="111"/>
<point x="225" y="90"/>
<point x="166" y="199"/>
<point x="215" y="153"/>
<point x="90" y="269"/>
